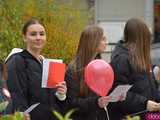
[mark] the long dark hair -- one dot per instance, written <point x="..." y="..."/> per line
<point x="89" y="41"/>
<point x="138" y="38"/>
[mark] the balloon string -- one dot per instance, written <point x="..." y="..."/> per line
<point x="105" y="108"/>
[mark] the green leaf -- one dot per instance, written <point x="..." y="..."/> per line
<point x="6" y="117"/>
<point x="68" y="114"/>
<point x="18" y="116"/>
<point x="3" y="105"/>
<point x="136" y="118"/>
<point x="58" y="115"/>
<point x="133" y="118"/>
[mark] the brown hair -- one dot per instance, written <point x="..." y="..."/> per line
<point x="30" y="22"/>
<point x="3" y="75"/>
<point x="138" y="38"/>
<point x="89" y="41"/>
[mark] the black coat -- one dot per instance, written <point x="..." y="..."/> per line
<point x="24" y="84"/>
<point x="86" y="107"/>
<point x="143" y="88"/>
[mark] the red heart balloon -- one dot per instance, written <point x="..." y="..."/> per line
<point x="99" y="76"/>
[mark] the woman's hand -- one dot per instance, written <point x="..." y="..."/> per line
<point x="61" y="91"/>
<point x="27" y="117"/>
<point x="61" y="88"/>
<point x="103" y="101"/>
<point x="153" y="106"/>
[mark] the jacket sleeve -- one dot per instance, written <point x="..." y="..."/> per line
<point x="17" y="82"/>
<point x="84" y="105"/>
<point x="135" y="100"/>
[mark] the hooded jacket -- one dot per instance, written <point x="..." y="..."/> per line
<point x="143" y="86"/>
<point x="24" y="84"/>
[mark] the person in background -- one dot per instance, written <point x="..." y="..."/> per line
<point x="131" y="63"/>
<point x="25" y="76"/>
<point x="156" y="75"/>
<point x="5" y="98"/>
<point x="157" y="30"/>
<point x="156" y="72"/>
<point x="88" y="105"/>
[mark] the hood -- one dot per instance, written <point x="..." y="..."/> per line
<point x="13" y="51"/>
<point x="119" y="49"/>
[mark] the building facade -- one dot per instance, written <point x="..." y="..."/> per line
<point x="112" y="15"/>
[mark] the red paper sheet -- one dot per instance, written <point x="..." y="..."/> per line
<point x="55" y="74"/>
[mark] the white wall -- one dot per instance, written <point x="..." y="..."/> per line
<point x="112" y="15"/>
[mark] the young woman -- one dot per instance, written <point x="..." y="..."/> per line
<point x="87" y="104"/>
<point x="4" y="93"/>
<point x="25" y="76"/>
<point x="132" y="65"/>
<point x="5" y="97"/>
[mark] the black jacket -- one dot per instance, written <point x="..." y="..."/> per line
<point x="86" y="107"/>
<point x="24" y="84"/>
<point x="143" y="88"/>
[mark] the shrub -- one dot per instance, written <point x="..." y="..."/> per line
<point x="63" y="23"/>
<point x="15" y="116"/>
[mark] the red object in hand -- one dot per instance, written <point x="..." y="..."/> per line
<point x="99" y="76"/>
<point x="55" y="74"/>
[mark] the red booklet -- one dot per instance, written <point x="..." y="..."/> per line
<point x="53" y="73"/>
